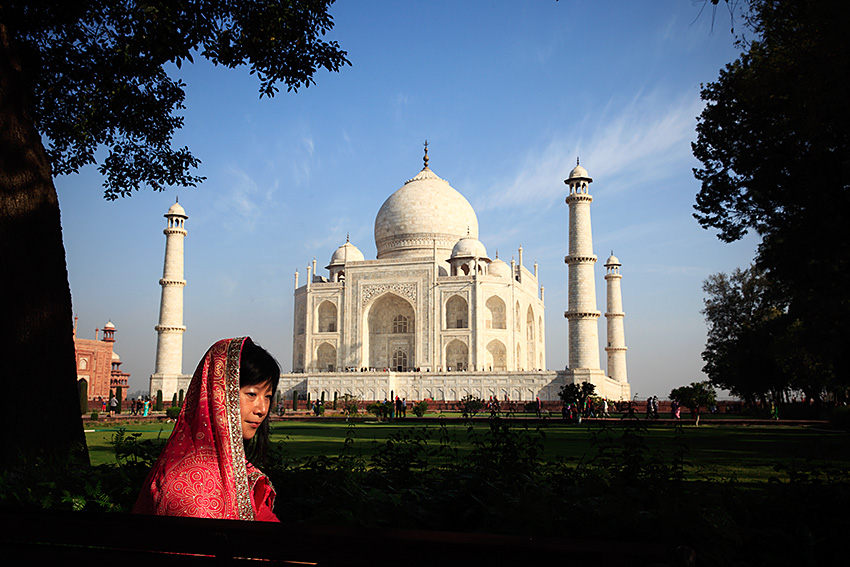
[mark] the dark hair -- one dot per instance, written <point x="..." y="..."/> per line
<point x="257" y="366"/>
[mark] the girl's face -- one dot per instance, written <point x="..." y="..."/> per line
<point x="254" y="403"/>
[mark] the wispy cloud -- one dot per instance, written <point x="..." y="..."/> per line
<point x="303" y="161"/>
<point x="643" y="140"/>
<point x="246" y="203"/>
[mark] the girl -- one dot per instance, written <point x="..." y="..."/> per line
<point x="205" y="469"/>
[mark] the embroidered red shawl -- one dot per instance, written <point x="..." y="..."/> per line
<point x="202" y="471"/>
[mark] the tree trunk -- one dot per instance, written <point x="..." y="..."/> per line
<point x="40" y="416"/>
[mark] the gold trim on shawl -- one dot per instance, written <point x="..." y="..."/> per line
<point x="237" y="445"/>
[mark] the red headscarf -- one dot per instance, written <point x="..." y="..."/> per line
<point x="202" y="471"/>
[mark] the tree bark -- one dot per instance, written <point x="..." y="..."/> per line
<point x="40" y="417"/>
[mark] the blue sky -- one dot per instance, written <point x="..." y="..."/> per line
<point x="507" y="94"/>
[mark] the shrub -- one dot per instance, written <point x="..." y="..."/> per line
<point x="174" y="400"/>
<point x="419" y="408"/>
<point x="119" y="396"/>
<point x="349" y="404"/>
<point x="158" y="406"/>
<point x="470" y="405"/>
<point x="380" y="409"/>
<point x="172" y="412"/>
<point x="94" y="416"/>
<point x="294" y="400"/>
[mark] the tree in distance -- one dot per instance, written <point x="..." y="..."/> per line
<point x="576" y="394"/>
<point x="694" y="397"/>
<point x="87" y="82"/>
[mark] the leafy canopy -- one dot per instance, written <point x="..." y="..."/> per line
<point x="695" y="396"/>
<point x="576" y="394"/>
<point x="97" y="73"/>
<point x="774" y="146"/>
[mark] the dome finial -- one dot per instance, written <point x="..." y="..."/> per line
<point x="346" y="238"/>
<point x="425" y="159"/>
<point x="577" y="163"/>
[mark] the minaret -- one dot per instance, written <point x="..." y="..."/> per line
<point x="616" y="348"/>
<point x="582" y="314"/>
<point x="169" y="343"/>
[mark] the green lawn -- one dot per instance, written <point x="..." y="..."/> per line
<point x="748" y="453"/>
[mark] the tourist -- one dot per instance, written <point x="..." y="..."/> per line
<point x="147" y="406"/>
<point x="538" y="407"/>
<point x="206" y="469"/>
<point x="113" y="405"/>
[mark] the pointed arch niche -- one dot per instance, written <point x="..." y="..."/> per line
<point x="457" y="313"/>
<point x="326" y="357"/>
<point x="495" y="316"/>
<point x="497" y="356"/>
<point x="457" y="355"/>
<point x="326" y="316"/>
<point x="389" y="333"/>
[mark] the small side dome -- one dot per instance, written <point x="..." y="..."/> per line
<point x="109" y="325"/>
<point x="177" y="210"/>
<point x="579" y="172"/>
<point x="115" y="356"/>
<point x="346" y="253"/>
<point x="469" y="247"/>
<point x="613" y="261"/>
<point x="499" y="269"/>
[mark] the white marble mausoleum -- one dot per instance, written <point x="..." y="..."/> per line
<point x="434" y="316"/>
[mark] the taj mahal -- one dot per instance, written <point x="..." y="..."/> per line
<point x="433" y="316"/>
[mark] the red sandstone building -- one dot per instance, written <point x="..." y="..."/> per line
<point x="98" y="364"/>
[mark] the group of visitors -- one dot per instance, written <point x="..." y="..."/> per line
<point x="652" y="407"/>
<point x="575" y="412"/>
<point x="110" y="405"/>
<point x="142" y="406"/>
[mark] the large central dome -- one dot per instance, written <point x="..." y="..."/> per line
<point x="425" y="211"/>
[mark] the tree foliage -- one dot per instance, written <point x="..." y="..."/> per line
<point x="470" y="405"/>
<point x="695" y="396"/>
<point x="91" y="82"/>
<point x="99" y="73"/>
<point x="774" y="144"/>
<point x="576" y="394"/>
<point x="740" y="352"/>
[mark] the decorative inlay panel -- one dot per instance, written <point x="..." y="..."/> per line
<point x="371" y="291"/>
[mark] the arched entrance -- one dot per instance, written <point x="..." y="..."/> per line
<point x="497" y="356"/>
<point x="457" y="355"/>
<point x="389" y="337"/>
<point x="326" y="358"/>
